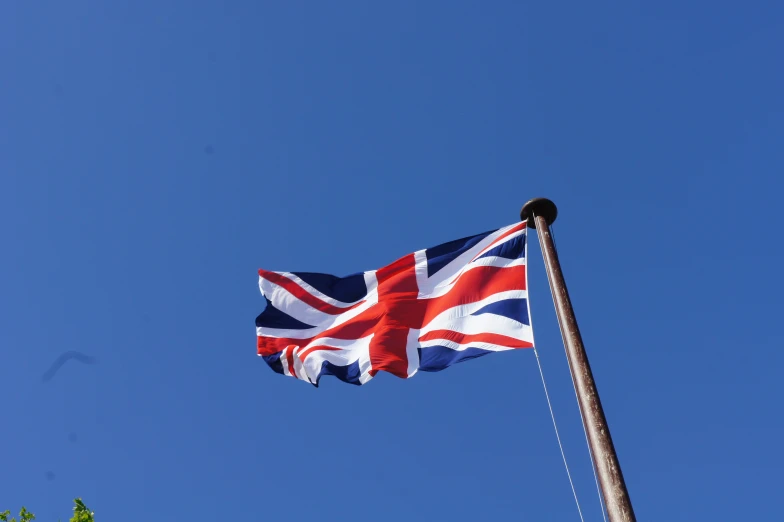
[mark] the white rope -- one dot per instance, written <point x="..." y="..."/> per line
<point x="577" y="399"/>
<point x="557" y="436"/>
<point x="547" y="396"/>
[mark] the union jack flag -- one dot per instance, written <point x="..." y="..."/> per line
<point x="426" y="311"/>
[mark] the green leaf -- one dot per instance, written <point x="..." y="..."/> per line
<point x="25" y="516"/>
<point x="81" y="512"/>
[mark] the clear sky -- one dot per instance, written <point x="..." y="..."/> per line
<point x="154" y="155"/>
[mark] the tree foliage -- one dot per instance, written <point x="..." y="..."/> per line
<point x="24" y="516"/>
<point x="81" y="514"/>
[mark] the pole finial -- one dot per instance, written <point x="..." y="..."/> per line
<point x="541" y="207"/>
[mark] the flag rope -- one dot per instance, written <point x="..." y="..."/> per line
<point x="582" y="419"/>
<point x="557" y="436"/>
<point x="550" y="405"/>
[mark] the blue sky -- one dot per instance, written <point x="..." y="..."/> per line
<point x="154" y="155"/>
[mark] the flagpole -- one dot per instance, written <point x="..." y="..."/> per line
<point x="540" y="213"/>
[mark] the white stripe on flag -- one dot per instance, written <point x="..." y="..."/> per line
<point x="284" y="301"/>
<point x="412" y="354"/>
<point x="428" y="284"/>
<point x="324" y="297"/>
<point x="460" y="347"/>
<point x="446" y="286"/>
<point x="351" y="351"/>
<point x="482" y="324"/>
<point x="332" y="321"/>
<point x="467" y="309"/>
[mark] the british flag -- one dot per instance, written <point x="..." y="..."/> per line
<point x="426" y="311"/>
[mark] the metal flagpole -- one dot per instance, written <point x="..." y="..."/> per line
<point x="540" y="214"/>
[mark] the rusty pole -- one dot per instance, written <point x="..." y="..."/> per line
<point x="540" y="214"/>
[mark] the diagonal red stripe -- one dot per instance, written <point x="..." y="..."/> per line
<point x="302" y="294"/>
<point x="500" y="238"/>
<point x="490" y="338"/>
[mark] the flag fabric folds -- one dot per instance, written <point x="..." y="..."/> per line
<point x="426" y="311"/>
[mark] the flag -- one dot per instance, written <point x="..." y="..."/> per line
<point x="426" y="311"/>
